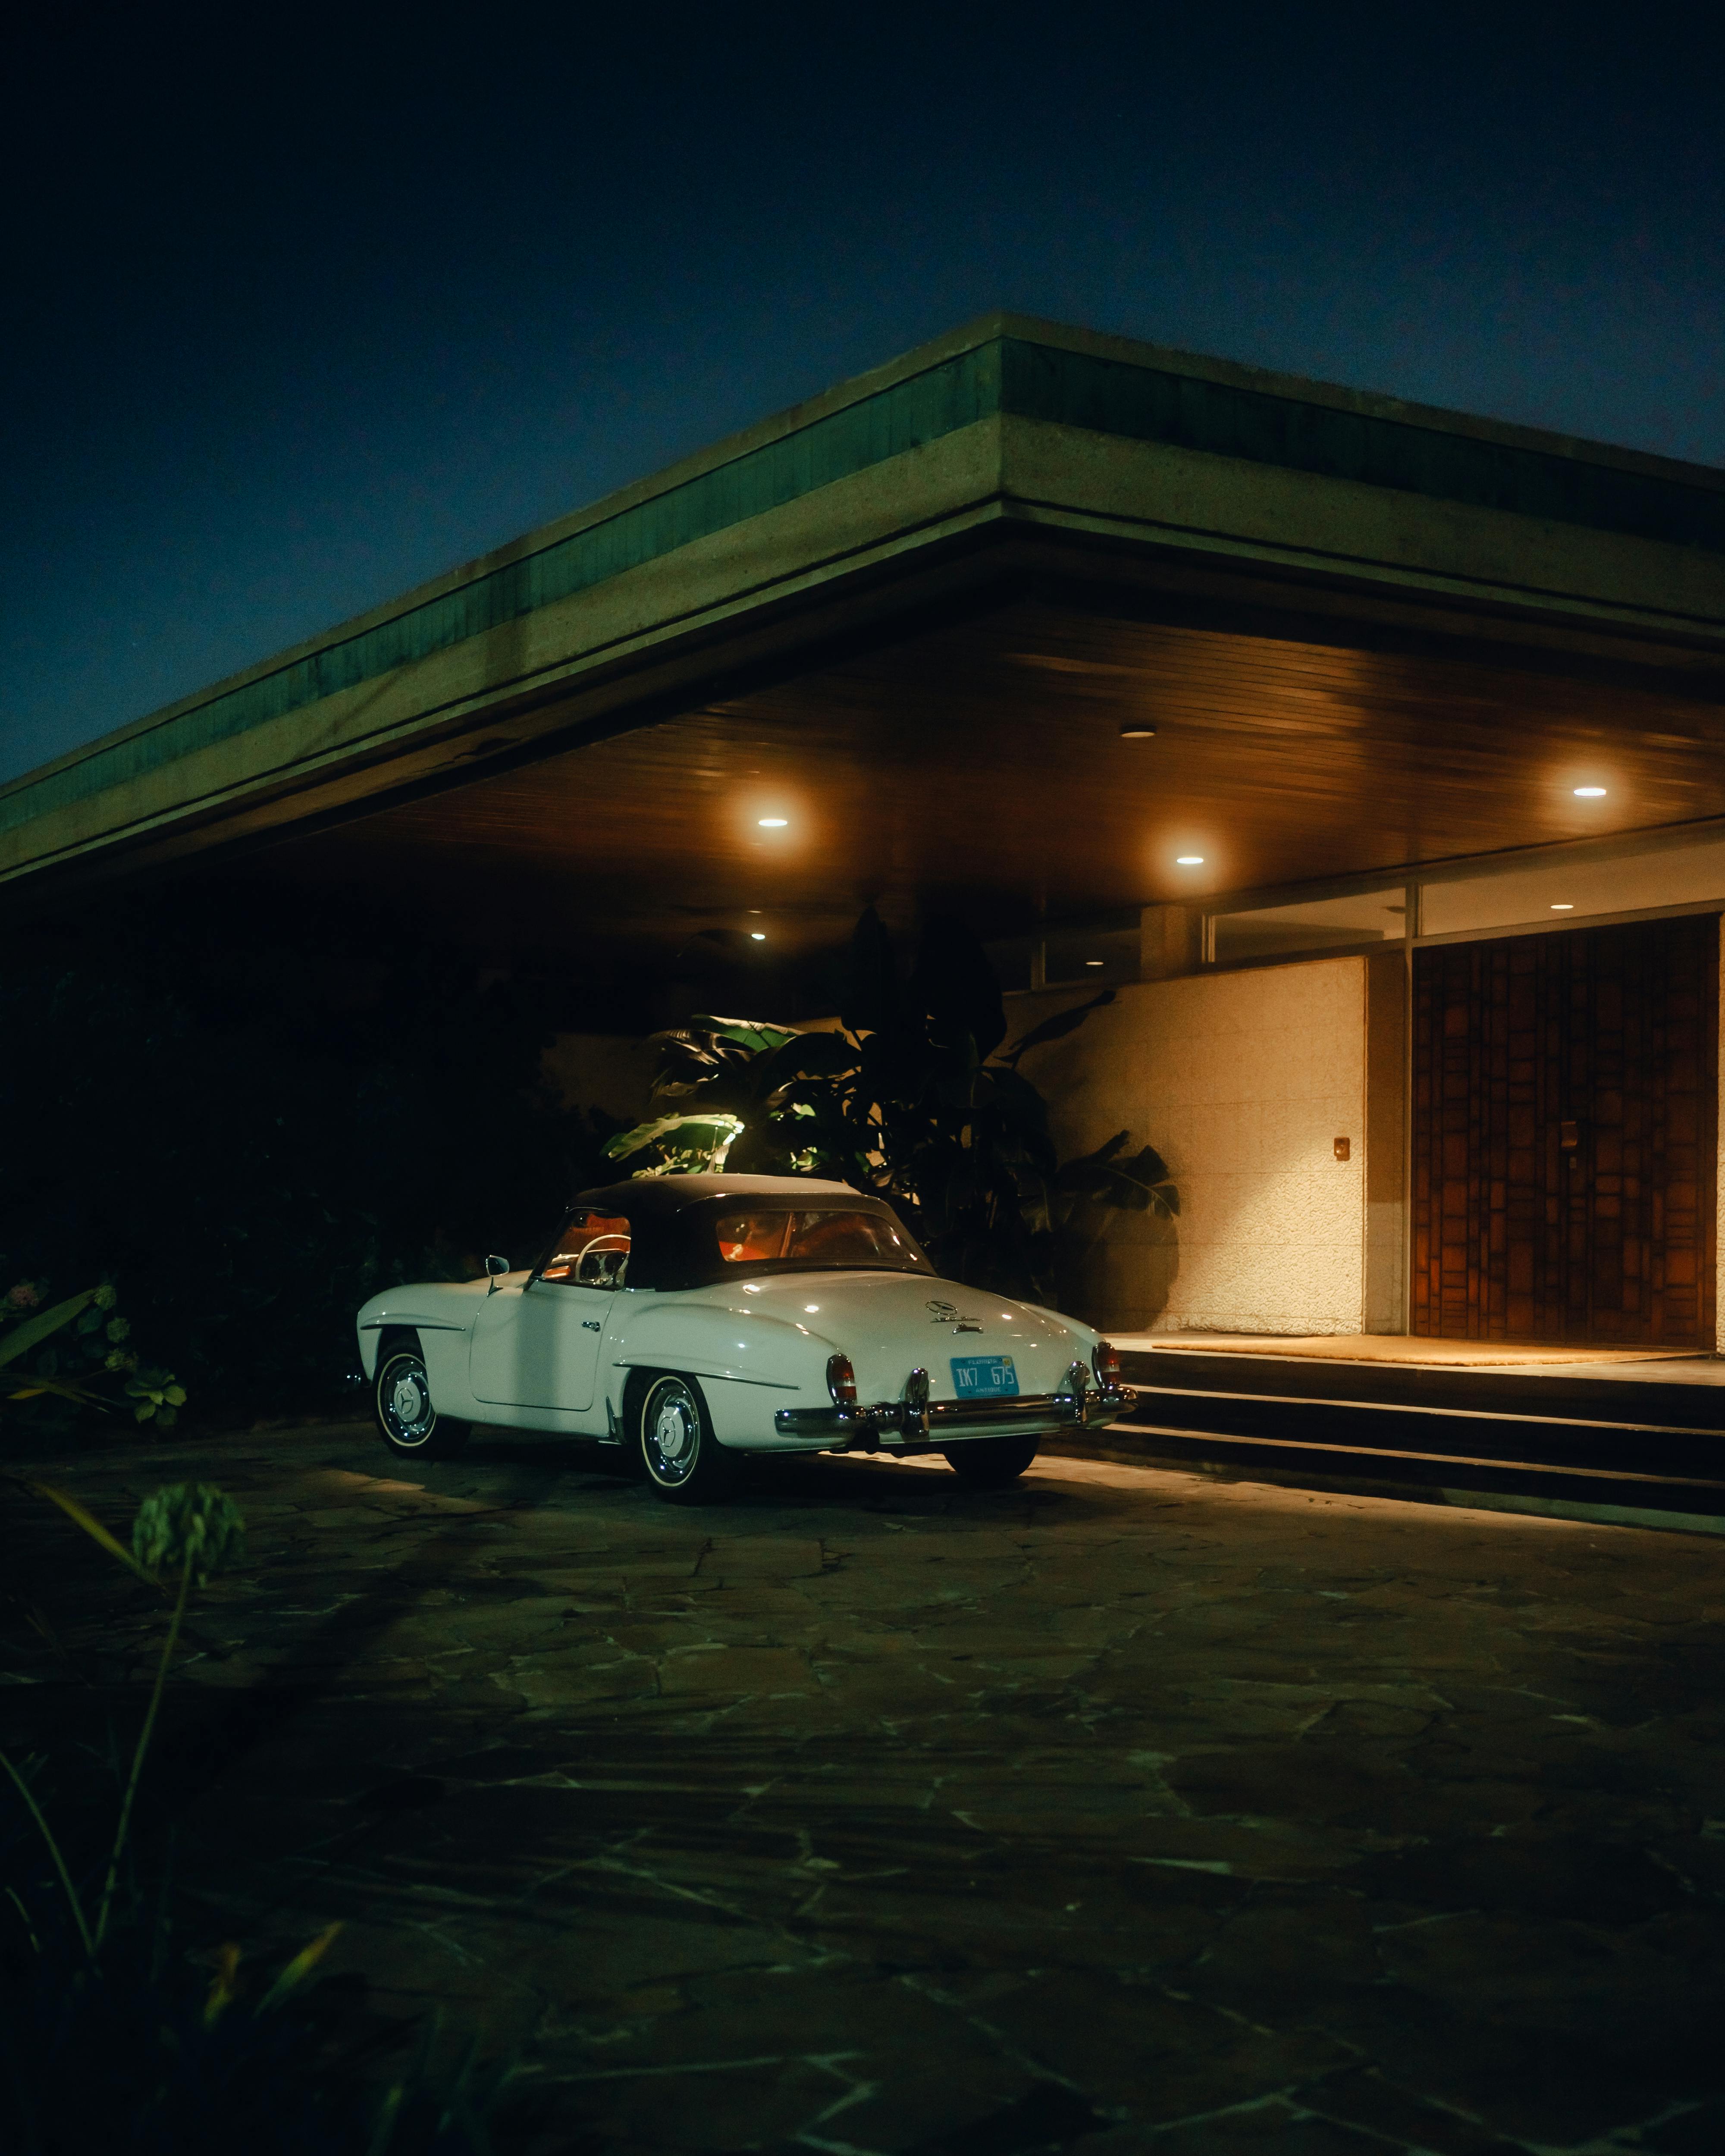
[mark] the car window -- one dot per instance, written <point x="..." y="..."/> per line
<point x="592" y="1251"/>
<point x="826" y="1237"/>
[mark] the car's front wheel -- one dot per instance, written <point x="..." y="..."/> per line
<point x="401" y="1399"/>
<point x="990" y="1463"/>
<point x="684" y="1462"/>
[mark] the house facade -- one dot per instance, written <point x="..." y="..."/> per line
<point x="1370" y="754"/>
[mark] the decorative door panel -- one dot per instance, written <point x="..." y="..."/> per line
<point x="1565" y="1099"/>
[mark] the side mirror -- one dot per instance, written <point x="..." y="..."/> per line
<point x="496" y="1267"/>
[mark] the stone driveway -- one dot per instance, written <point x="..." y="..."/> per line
<point x="1129" y="1809"/>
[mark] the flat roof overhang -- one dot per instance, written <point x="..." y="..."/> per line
<point x="913" y="616"/>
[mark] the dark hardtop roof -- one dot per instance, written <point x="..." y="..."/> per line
<point x="670" y="1217"/>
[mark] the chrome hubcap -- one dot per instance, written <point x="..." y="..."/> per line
<point x="672" y="1425"/>
<point x="405" y="1399"/>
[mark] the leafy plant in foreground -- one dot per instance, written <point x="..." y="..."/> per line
<point x="78" y="1358"/>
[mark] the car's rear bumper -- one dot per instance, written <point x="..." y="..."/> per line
<point x="902" y="1426"/>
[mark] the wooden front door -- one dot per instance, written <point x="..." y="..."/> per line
<point x="1565" y="1103"/>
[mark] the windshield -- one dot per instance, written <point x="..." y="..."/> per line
<point x="592" y="1251"/>
<point x="811" y="1240"/>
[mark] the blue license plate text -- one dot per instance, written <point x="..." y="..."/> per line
<point x="984" y="1378"/>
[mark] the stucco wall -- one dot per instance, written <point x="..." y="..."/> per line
<point x="1243" y="1082"/>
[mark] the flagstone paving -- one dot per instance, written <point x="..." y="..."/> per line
<point x="1126" y="1809"/>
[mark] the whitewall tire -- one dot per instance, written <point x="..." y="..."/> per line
<point x="683" y="1461"/>
<point x="408" y="1422"/>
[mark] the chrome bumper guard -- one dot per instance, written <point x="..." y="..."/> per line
<point x="927" y="1426"/>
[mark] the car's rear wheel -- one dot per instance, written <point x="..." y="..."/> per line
<point x="684" y="1462"/>
<point x="990" y="1463"/>
<point x="408" y="1422"/>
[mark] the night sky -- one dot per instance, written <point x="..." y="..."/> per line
<point x="306" y="306"/>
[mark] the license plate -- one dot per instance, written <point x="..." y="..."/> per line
<point x="984" y="1378"/>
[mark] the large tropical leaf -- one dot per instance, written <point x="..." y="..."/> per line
<point x="1056" y="1027"/>
<point x="752" y="1035"/>
<point x="21" y="1338"/>
<point x="800" y="1056"/>
<point x="1139" y="1184"/>
<point x="91" y="1526"/>
<point x="688" y="1141"/>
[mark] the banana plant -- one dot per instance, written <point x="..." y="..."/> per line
<point x="913" y="1098"/>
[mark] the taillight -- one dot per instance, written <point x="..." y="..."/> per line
<point x="1105" y="1361"/>
<point x="841" y="1381"/>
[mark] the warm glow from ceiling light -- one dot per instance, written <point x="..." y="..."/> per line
<point x="772" y="823"/>
<point x="1138" y="733"/>
<point x="758" y="936"/>
<point x="1564" y="905"/>
<point x="1189" y="860"/>
<point x="1092" y="962"/>
<point x="1589" y="793"/>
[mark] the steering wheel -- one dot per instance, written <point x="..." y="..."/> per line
<point x="610" y="1245"/>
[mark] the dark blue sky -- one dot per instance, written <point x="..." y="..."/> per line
<point x="306" y="307"/>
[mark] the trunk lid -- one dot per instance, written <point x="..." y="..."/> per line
<point x="891" y="1323"/>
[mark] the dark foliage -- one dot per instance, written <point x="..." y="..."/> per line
<point x="912" y="1099"/>
<point x="252" y="1118"/>
<point x="154" y="2052"/>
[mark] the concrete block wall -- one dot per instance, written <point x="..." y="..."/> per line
<point x="1243" y="1082"/>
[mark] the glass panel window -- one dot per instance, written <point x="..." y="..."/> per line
<point x="1312" y="924"/>
<point x="829" y="1236"/>
<point x="1549" y="894"/>
<point x="592" y="1251"/>
<point x="1096" y="955"/>
<point x="845" y="1239"/>
<point x="748" y="1239"/>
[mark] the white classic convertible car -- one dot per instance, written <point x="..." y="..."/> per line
<point x="693" y="1318"/>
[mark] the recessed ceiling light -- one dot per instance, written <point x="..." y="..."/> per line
<point x="1092" y="962"/>
<point x="758" y="936"/>
<point x="1589" y="793"/>
<point x="1138" y="733"/>
<point x="1564" y="905"/>
<point x="1189" y="860"/>
<point x="773" y="823"/>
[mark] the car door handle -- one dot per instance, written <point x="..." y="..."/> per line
<point x="590" y="1325"/>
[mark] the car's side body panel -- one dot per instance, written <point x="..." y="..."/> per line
<point x="538" y="1346"/>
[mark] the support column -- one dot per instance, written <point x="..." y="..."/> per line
<point x="1170" y="941"/>
<point x="1386" y="1256"/>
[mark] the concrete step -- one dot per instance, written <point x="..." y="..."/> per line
<point x="1646" y="1453"/>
